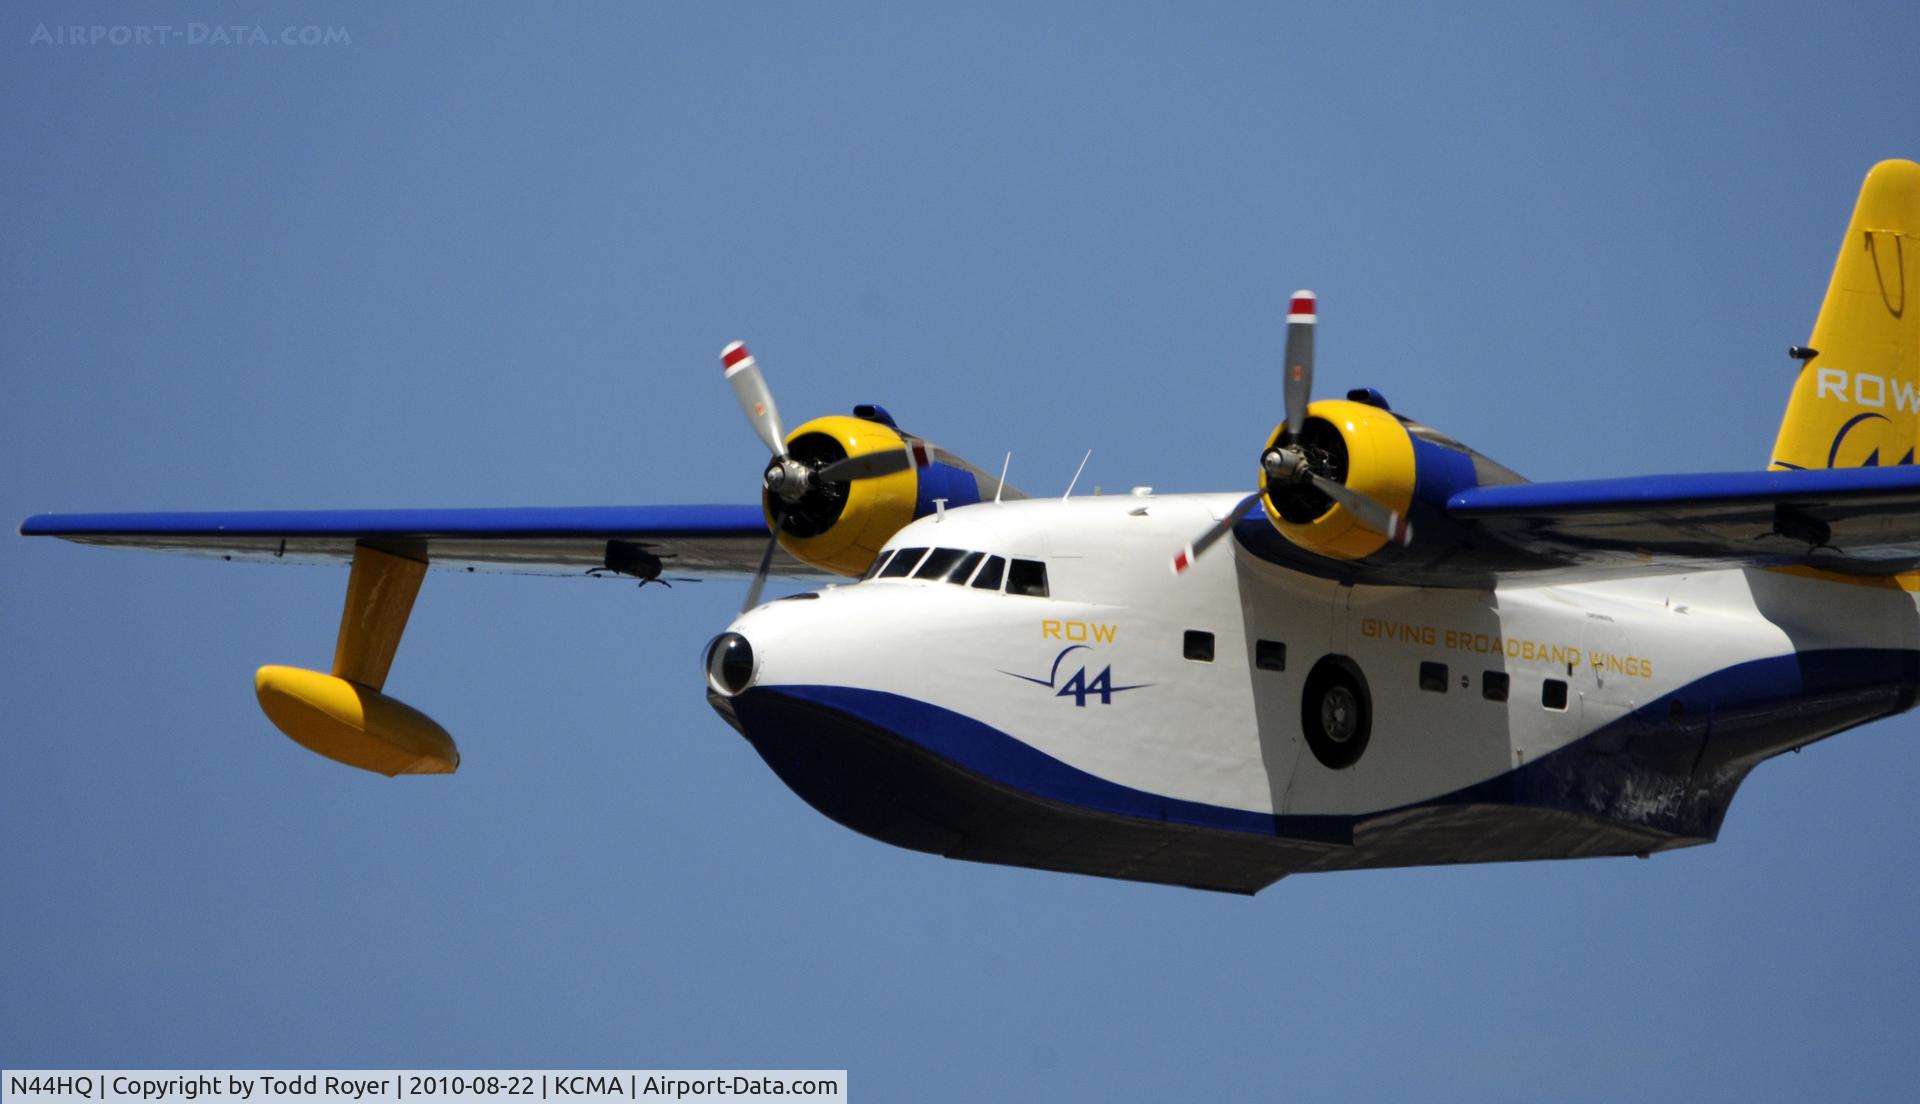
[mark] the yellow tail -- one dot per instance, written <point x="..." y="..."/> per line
<point x="1857" y="401"/>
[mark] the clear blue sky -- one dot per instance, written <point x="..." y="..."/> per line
<point x="487" y="255"/>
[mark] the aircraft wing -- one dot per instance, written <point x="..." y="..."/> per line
<point x="1856" y="521"/>
<point x="669" y="540"/>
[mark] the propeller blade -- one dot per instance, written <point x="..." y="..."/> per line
<point x="1184" y="558"/>
<point x="1303" y="313"/>
<point x="1396" y="527"/>
<point x="871" y="465"/>
<point x="766" y="565"/>
<point x="750" y="387"/>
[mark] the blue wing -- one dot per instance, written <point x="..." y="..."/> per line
<point x="693" y="540"/>
<point x="1857" y="521"/>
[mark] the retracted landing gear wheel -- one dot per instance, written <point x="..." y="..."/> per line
<point x="1336" y="712"/>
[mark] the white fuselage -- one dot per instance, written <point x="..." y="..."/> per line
<point x="1097" y="675"/>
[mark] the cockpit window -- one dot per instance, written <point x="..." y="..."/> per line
<point x="963" y="570"/>
<point x="939" y="562"/>
<point x="989" y="577"/>
<point x="1027" y="577"/>
<point x="903" y="563"/>
<point x="879" y="563"/>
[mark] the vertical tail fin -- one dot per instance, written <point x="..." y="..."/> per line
<point x="1857" y="401"/>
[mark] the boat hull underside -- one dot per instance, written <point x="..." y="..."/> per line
<point x="1592" y="798"/>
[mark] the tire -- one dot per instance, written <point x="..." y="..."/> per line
<point x="1336" y="712"/>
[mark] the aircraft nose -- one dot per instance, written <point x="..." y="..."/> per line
<point x="729" y="664"/>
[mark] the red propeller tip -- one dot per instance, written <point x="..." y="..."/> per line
<point x="1305" y="307"/>
<point x="1182" y="560"/>
<point x="734" y="354"/>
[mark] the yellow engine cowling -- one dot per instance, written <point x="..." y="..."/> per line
<point x="841" y="528"/>
<point x="1372" y="453"/>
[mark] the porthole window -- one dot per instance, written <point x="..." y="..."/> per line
<point x="1198" y="646"/>
<point x="1270" y="655"/>
<point x="1433" y="677"/>
<point x="1493" y="686"/>
<point x="1553" y="694"/>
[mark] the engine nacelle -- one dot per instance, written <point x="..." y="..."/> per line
<point x="1402" y="465"/>
<point x="840" y="527"/>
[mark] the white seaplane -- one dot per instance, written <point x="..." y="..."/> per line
<point x="1407" y="654"/>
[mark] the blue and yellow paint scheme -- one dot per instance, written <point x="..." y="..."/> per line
<point x="1379" y="463"/>
<point x="1555" y="670"/>
<point x="848" y="532"/>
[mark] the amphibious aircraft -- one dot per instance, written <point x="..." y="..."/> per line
<point x="1392" y="651"/>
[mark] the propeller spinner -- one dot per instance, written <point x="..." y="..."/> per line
<point x="1293" y="462"/>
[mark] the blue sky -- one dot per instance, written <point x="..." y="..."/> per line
<point x="486" y="255"/>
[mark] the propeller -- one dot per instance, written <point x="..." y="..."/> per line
<point x="1185" y="557"/>
<point x="750" y="387"/>
<point x="766" y="564"/>
<point x="786" y="479"/>
<point x="1303" y="314"/>
<point x="872" y="465"/>
<point x="1291" y="461"/>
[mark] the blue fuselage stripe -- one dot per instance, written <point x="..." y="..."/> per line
<point x="987" y="751"/>
<point x="1753" y="686"/>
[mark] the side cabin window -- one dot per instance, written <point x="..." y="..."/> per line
<point x="1553" y="694"/>
<point x="1493" y="686"/>
<point x="1197" y="645"/>
<point x="1028" y="577"/>
<point x="1270" y="655"/>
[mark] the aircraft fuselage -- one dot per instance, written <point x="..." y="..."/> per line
<point x="1199" y="730"/>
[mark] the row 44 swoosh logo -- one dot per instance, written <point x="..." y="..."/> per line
<point x="1078" y="686"/>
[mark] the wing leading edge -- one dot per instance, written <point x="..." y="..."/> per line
<point x="700" y="540"/>
<point x="1856" y="521"/>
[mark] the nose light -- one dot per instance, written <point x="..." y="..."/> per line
<point x="729" y="664"/>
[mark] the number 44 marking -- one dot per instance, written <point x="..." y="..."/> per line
<point x="1079" y="688"/>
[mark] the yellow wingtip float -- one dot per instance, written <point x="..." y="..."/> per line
<point x="344" y="716"/>
<point x="352" y="724"/>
